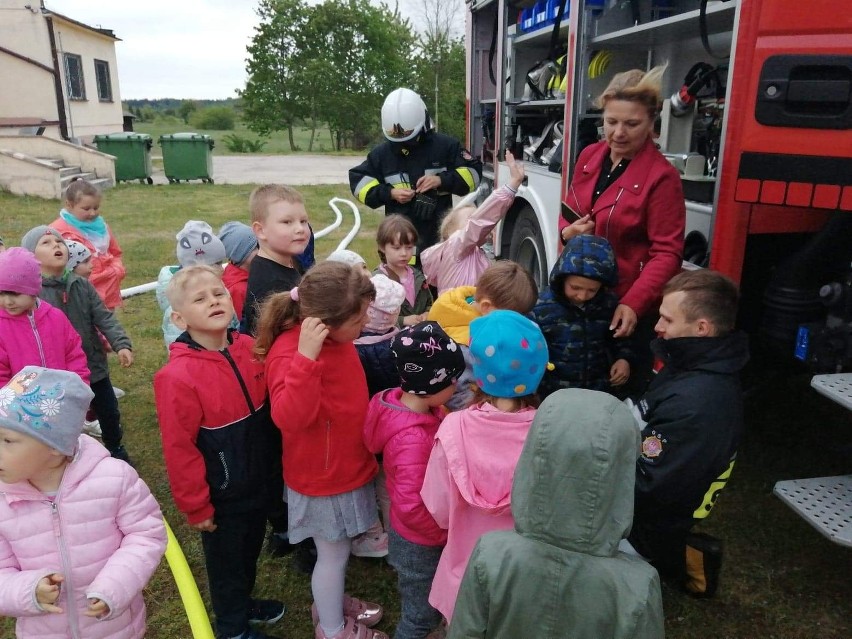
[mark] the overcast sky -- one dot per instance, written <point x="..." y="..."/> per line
<point x="175" y="48"/>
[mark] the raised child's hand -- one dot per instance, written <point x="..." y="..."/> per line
<point x="97" y="608"/>
<point x="125" y="357"/>
<point x="516" y="171"/>
<point x="47" y="592"/>
<point x="205" y="526"/>
<point x="312" y="336"/>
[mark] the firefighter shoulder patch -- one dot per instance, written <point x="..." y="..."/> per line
<point x="652" y="447"/>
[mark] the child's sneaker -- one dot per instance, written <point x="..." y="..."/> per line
<point x="93" y="428"/>
<point x="368" y="545"/>
<point x="363" y="612"/>
<point x="266" y="611"/>
<point x="351" y="630"/>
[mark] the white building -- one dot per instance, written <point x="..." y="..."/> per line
<point x="57" y="73"/>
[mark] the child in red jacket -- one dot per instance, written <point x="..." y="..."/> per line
<point x="240" y="247"/>
<point x="318" y="396"/>
<point x="216" y="429"/>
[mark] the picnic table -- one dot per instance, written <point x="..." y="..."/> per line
<point x="824" y="502"/>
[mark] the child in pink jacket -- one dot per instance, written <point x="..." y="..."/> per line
<point x="401" y="423"/>
<point x="459" y="259"/>
<point x="468" y="481"/>
<point x="31" y="330"/>
<point x="80" y="533"/>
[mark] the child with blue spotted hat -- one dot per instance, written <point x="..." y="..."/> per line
<point x="468" y="483"/>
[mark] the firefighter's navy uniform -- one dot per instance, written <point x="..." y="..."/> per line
<point x="400" y="164"/>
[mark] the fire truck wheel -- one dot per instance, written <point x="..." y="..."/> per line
<point x="527" y="246"/>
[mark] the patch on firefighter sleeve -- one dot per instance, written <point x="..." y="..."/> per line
<point x="652" y="446"/>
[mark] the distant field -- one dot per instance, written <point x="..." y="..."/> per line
<point x="277" y="143"/>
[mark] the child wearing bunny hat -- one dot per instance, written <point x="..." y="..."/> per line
<point x="468" y="481"/>
<point x="196" y="244"/>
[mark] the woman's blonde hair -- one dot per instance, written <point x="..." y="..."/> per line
<point x="644" y="87"/>
<point x="330" y="291"/>
<point x="450" y="223"/>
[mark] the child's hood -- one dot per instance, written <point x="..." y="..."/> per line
<point x="454" y="311"/>
<point x="89" y="454"/>
<point x="482" y="445"/>
<point x="387" y="417"/>
<point x="588" y="256"/>
<point x="575" y="478"/>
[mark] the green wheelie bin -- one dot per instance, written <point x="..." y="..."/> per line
<point x="132" y="153"/>
<point x="187" y="156"/>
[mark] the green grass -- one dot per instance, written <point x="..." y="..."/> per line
<point x="277" y="143"/>
<point x="780" y="579"/>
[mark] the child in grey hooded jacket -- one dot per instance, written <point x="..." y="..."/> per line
<point x="560" y="573"/>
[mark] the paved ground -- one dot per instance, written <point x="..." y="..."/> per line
<point x="287" y="169"/>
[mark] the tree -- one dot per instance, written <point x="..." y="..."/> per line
<point x="218" y="118"/>
<point x="441" y="64"/>
<point x="187" y="108"/>
<point x="273" y="98"/>
<point x="352" y="55"/>
<point x="441" y="84"/>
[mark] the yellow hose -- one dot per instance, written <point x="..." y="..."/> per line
<point x="199" y="622"/>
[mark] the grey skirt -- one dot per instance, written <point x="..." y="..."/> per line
<point x="332" y="518"/>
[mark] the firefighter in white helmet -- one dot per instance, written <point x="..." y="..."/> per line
<point x="417" y="170"/>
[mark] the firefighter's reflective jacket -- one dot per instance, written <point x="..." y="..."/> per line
<point x="399" y="165"/>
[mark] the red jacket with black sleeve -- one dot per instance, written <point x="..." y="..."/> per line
<point x="215" y="427"/>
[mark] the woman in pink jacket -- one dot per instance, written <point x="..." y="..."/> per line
<point x="80" y="533"/>
<point x="31" y="330"/>
<point x="81" y="221"/>
<point x="468" y="481"/>
<point x="459" y="259"/>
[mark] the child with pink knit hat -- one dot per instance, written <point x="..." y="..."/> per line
<point x="32" y="332"/>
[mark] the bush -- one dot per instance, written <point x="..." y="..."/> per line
<point x="239" y="144"/>
<point x="214" y="118"/>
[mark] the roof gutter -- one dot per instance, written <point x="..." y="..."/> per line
<point x="57" y="81"/>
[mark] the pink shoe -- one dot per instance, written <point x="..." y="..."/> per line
<point x="368" y="545"/>
<point x="352" y="630"/>
<point x="363" y="612"/>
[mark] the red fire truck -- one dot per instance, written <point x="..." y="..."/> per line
<point x="759" y="125"/>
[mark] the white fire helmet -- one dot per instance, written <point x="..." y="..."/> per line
<point x="403" y="115"/>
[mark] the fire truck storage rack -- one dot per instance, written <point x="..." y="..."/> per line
<point x="824" y="502"/>
<point x="605" y="39"/>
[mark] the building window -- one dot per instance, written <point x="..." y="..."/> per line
<point x="74" y="77"/>
<point x="104" y="85"/>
